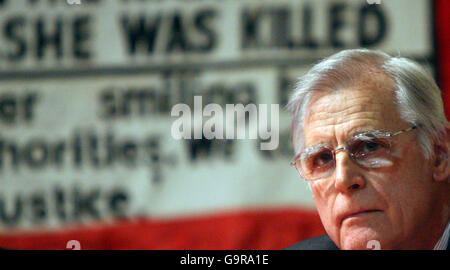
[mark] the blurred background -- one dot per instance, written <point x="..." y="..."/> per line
<point x="86" y="93"/>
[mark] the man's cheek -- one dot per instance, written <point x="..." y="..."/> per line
<point x="327" y="218"/>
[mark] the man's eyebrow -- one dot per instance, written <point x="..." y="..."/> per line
<point x="359" y="131"/>
<point x="372" y="132"/>
<point x="311" y="149"/>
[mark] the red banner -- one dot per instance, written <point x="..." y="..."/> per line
<point x="442" y="10"/>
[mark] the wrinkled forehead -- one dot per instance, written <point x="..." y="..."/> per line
<point x="342" y="113"/>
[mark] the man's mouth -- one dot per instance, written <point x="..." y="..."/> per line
<point x="359" y="213"/>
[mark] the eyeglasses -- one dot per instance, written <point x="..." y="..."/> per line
<point x="370" y="149"/>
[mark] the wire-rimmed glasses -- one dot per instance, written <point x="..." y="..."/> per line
<point x="371" y="149"/>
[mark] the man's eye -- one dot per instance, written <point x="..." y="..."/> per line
<point x="370" y="146"/>
<point x="322" y="159"/>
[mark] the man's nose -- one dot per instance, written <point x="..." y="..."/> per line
<point x="348" y="175"/>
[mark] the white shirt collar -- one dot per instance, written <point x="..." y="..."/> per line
<point x="443" y="242"/>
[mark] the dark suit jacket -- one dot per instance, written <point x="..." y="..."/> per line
<point x="322" y="242"/>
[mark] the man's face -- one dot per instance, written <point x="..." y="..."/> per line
<point x="396" y="204"/>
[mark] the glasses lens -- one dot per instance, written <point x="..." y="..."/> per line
<point x="318" y="164"/>
<point x="371" y="152"/>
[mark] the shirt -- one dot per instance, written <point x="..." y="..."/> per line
<point x="443" y="242"/>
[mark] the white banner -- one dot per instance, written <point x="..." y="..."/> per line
<point x="86" y="93"/>
<point x="117" y="34"/>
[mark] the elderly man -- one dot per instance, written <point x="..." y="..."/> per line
<point x="372" y="140"/>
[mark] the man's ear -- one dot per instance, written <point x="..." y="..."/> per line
<point x="441" y="163"/>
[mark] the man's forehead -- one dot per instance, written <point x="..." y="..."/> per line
<point x="349" y="111"/>
<point x="346" y="102"/>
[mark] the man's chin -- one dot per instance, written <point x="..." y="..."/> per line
<point x="360" y="239"/>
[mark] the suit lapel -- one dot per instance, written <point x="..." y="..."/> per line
<point x="448" y="243"/>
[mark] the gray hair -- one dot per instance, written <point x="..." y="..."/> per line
<point x="418" y="98"/>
